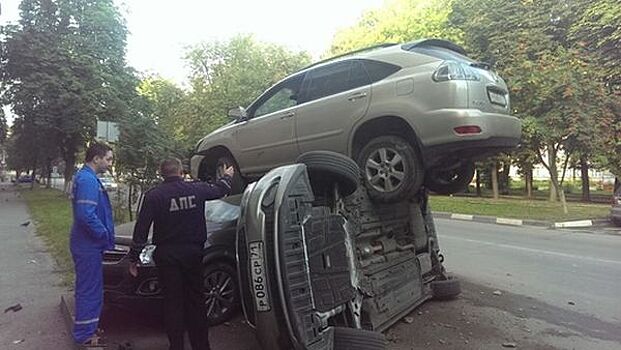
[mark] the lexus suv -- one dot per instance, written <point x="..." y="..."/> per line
<point x="410" y="115"/>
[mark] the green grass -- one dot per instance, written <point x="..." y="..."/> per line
<point x="518" y="208"/>
<point x="51" y="211"/>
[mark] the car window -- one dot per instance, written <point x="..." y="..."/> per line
<point x="358" y="76"/>
<point x="327" y="80"/>
<point x="379" y="70"/>
<point x="283" y="95"/>
<point x="219" y="211"/>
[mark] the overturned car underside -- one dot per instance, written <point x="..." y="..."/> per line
<point x="321" y="266"/>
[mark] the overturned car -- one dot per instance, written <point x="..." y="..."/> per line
<point x="321" y="266"/>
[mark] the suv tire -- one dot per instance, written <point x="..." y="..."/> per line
<point x="392" y="169"/>
<point x="326" y="168"/>
<point x="450" y="181"/>
<point x="358" y="339"/>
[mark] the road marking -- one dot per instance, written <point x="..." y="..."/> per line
<point x="462" y="217"/>
<point x="581" y="223"/>
<point x="532" y="250"/>
<point x="513" y="222"/>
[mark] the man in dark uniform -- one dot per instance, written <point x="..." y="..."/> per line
<point x="177" y="210"/>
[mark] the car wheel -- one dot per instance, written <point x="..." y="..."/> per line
<point x="358" y="339"/>
<point x="450" y="181"/>
<point x="446" y="289"/>
<point x="237" y="183"/>
<point x="392" y="169"/>
<point x="221" y="292"/>
<point x="616" y="221"/>
<point x="326" y="168"/>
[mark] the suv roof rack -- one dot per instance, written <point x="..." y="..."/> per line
<point x="378" y="46"/>
<point x="434" y="42"/>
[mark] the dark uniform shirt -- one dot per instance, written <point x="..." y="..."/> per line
<point x="177" y="210"/>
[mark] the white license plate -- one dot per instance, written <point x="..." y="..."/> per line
<point x="259" y="285"/>
<point x="498" y="99"/>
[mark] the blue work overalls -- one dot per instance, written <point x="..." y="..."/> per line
<point x="92" y="233"/>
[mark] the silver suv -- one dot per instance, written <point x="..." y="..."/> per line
<point x="410" y="114"/>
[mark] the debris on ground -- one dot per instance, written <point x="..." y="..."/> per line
<point x="408" y="320"/>
<point x="497" y="292"/>
<point x="19" y="341"/>
<point x="25" y="223"/>
<point x="571" y="303"/>
<point x="509" y="345"/>
<point x="13" y="308"/>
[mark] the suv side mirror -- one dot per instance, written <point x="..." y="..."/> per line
<point x="238" y="113"/>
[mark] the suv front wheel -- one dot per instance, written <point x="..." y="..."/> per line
<point x="392" y="169"/>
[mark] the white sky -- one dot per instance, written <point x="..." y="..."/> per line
<point x="159" y="30"/>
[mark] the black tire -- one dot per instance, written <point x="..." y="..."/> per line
<point x="237" y="184"/>
<point x="446" y="289"/>
<point x="222" y="298"/>
<point x="381" y="177"/>
<point x="616" y="221"/>
<point x="358" y="339"/>
<point x="326" y="168"/>
<point x="450" y="181"/>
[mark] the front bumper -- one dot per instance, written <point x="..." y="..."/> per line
<point x="120" y="287"/>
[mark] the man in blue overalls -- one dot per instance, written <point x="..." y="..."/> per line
<point x="91" y="234"/>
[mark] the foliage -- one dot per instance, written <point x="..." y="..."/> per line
<point x="398" y="21"/>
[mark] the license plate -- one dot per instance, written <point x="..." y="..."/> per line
<point x="257" y="268"/>
<point x="497" y="98"/>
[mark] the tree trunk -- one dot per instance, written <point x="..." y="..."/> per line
<point x="478" y="181"/>
<point x="584" y="170"/>
<point x="70" y="159"/>
<point x="528" y="179"/>
<point x="553" y="173"/>
<point x="129" y="201"/>
<point x="495" y="179"/>
<point x="505" y="179"/>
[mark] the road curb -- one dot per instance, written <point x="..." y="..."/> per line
<point x="521" y="222"/>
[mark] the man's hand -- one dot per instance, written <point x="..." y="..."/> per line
<point x="133" y="269"/>
<point x="229" y="170"/>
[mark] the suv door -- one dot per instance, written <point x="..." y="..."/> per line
<point x="333" y="98"/>
<point x="266" y="138"/>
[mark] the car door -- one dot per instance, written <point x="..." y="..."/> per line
<point x="332" y="99"/>
<point x="266" y="138"/>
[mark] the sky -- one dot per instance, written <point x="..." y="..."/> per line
<point x="160" y="30"/>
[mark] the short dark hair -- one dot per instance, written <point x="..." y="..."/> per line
<point x="96" y="149"/>
<point x="170" y="167"/>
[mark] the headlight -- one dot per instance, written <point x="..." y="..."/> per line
<point x="146" y="255"/>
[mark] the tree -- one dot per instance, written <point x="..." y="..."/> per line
<point x="64" y="69"/>
<point x="4" y="128"/>
<point x="228" y="74"/>
<point x="398" y="21"/>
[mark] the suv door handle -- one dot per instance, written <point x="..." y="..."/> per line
<point x="357" y="96"/>
<point x="287" y="115"/>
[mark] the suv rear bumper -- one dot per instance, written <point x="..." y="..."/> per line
<point x="438" y="136"/>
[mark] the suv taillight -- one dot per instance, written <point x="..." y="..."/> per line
<point x="452" y="70"/>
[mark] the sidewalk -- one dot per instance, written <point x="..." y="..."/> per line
<point x="28" y="278"/>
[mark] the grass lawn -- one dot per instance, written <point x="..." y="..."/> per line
<point x="518" y="208"/>
<point x="51" y="211"/>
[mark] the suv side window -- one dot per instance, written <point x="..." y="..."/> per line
<point x="327" y="80"/>
<point x="281" y="96"/>
<point x="379" y="70"/>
